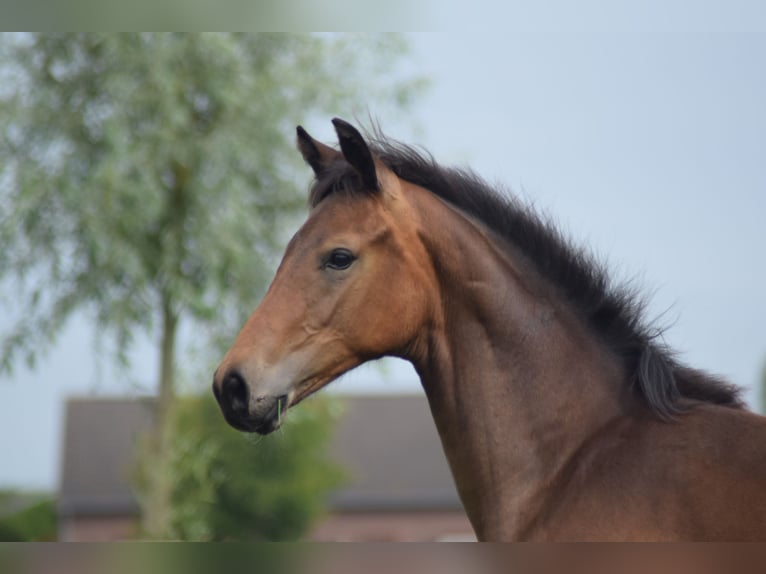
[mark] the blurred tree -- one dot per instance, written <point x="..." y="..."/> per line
<point x="147" y="179"/>
<point x="230" y="486"/>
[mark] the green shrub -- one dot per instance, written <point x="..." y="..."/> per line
<point x="34" y="521"/>
<point x="227" y="485"/>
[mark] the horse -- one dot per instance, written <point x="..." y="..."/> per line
<point x="562" y="413"/>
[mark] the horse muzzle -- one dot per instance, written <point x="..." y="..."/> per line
<point x="262" y="414"/>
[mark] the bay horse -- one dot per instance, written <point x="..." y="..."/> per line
<point x="562" y="414"/>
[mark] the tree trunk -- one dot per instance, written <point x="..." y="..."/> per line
<point x="157" y="509"/>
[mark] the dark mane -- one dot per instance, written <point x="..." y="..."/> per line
<point x="614" y="312"/>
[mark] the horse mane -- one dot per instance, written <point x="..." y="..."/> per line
<point x="615" y="312"/>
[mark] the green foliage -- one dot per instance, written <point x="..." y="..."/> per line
<point x="231" y="486"/>
<point x="145" y="174"/>
<point x="26" y="518"/>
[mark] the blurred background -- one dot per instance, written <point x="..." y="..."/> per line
<point x="149" y="185"/>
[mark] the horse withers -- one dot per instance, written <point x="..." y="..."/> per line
<point x="561" y="413"/>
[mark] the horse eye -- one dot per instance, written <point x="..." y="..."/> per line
<point x="340" y="259"/>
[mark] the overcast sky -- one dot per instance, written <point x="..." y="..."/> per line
<point x="647" y="146"/>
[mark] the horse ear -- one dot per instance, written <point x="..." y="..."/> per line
<point x="357" y="153"/>
<point x="316" y="154"/>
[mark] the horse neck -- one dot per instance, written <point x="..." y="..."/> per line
<point x="515" y="383"/>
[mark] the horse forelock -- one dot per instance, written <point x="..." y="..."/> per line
<point x="337" y="178"/>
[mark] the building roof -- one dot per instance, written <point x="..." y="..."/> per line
<point x="393" y="454"/>
<point x="100" y="436"/>
<point x="388" y="445"/>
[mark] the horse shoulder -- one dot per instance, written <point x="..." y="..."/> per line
<point x="700" y="477"/>
<point x="704" y="473"/>
<point x="726" y="473"/>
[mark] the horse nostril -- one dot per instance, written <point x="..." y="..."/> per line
<point x="234" y="392"/>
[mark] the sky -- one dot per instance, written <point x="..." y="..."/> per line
<point x="644" y="140"/>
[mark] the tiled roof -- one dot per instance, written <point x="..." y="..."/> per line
<point x="392" y="451"/>
<point x="99" y="440"/>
